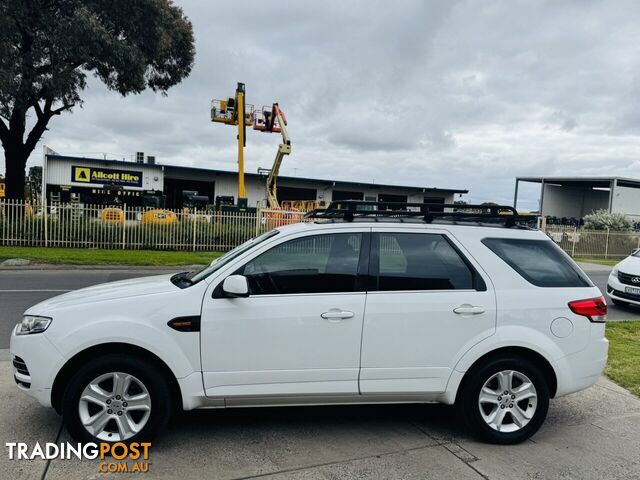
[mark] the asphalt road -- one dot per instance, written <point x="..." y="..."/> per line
<point x="19" y="289"/>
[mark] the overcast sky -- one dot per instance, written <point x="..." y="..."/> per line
<point x="458" y="94"/>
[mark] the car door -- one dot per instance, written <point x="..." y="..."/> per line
<point x="427" y="303"/>
<point x="299" y="331"/>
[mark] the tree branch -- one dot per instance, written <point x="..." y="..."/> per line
<point x="48" y="101"/>
<point x="36" y="132"/>
<point x="44" y="115"/>
<point x="37" y="108"/>
<point x="58" y="111"/>
<point x="4" y="131"/>
<point x="42" y="69"/>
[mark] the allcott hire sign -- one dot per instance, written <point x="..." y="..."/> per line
<point x="106" y="176"/>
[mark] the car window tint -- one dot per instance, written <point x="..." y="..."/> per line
<point x="540" y="262"/>
<point x="415" y="261"/>
<point x="314" y="264"/>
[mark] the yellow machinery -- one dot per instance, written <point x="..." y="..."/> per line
<point x="273" y="120"/>
<point x="159" y="216"/>
<point x="112" y="216"/>
<point x="301" y="205"/>
<point x="234" y="111"/>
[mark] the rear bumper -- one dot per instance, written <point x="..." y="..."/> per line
<point x="582" y="369"/>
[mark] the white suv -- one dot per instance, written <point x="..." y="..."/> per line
<point x="623" y="286"/>
<point x="372" y="307"/>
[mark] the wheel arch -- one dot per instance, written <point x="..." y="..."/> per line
<point x="71" y="366"/>
<point x="522" y="352"/>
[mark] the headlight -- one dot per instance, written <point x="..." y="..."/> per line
<point x="614" y="272"/>
<point x="32" y="324"/>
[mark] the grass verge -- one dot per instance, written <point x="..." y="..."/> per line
<point x="623" y="366"/>
<point x="601" y="261"/>
<point x="79" y="256"/>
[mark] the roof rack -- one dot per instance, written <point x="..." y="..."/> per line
<point x="348" y="210"/>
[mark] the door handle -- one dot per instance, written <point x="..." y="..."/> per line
<point x="336" y="314"/>
<point x="467" y="309"/>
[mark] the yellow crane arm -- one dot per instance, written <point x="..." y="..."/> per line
<point x="283" y="149"/>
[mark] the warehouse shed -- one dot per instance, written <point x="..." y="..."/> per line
<point x="94" y="180"/>
<point x="575" y="197"/>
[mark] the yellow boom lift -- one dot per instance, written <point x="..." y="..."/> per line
<point x="273" y="120"/>
<point x="234" y="111"/>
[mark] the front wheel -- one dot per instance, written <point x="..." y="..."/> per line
<point x="505" y="401"/>
<point x="116" y="398"/>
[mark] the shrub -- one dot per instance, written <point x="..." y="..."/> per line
<point x="603" y="220"/>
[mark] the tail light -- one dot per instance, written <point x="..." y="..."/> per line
<point x="595" y="309"/>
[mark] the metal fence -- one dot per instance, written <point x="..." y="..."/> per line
<point x="579" y="242"/>
<point x="96" y="226"/>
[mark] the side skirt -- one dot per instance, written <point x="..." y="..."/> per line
<point x="313" y="400"/>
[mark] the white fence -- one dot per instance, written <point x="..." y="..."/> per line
<point x="97" y="226"/>
<point x="578" y="242"/>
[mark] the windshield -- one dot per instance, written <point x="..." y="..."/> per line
<point x="221" y="261"/>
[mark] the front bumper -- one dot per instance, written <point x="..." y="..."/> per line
<point x="616" y="291"/>
<point x="35" y="364"/>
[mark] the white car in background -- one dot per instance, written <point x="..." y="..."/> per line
<point x="623" y="286"/>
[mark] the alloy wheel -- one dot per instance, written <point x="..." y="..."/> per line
<point x="114" y="406"/>
<point x="508" y="401"/>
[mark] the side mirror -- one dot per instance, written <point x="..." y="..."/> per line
<point x="235" y="286"/>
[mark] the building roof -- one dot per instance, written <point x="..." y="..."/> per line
<point x="248" y="174"/>
<point x="597" y="181"/>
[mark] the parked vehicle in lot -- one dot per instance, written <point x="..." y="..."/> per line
<point x="369" y="303"/>
<point x="623" y="286"/>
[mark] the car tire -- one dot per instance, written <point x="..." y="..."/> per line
<point x="497" y="417"/>
<point x="125" y="393"/>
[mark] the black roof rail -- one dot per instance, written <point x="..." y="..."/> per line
<point x="348" y="210"/>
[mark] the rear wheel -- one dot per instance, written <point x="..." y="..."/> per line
<point x="116" y="399"/>
<point x="505" y="400"/>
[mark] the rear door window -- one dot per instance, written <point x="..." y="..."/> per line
<point x="417" y="261"/>
<point x="539" y="262"/>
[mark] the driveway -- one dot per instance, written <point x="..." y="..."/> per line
<point x="594" y="434"/>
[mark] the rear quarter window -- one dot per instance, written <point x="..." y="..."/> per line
<point x="539" y="262"/>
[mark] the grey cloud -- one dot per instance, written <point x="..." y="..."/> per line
<point x="440" y="93"/>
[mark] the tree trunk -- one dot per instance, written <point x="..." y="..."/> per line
<point x="17" y="149"/>
<point x="15" y="162"/>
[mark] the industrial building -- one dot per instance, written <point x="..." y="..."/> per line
<point x="575" y="197"/>
<point x="144" y="182"/>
